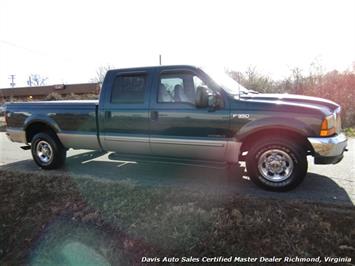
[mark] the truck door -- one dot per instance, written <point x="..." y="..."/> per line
<point x="178" y="127"/>
<point x="124" y="118"/>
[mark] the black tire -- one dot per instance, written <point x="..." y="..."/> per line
<point x="276" y="164"/>
<point x="47" y="151"/>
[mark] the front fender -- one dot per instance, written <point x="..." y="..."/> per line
<point x="276" y="123"/>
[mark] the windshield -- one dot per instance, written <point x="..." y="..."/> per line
<point x="226" y="82"/>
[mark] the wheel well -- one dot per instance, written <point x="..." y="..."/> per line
<point x="300" y="139"/>
<point x="37" y="127"/>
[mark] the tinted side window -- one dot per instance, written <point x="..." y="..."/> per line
<point x="167" y="88"/>
<point x="176" y="88"/>
<point x="128" y="89"/>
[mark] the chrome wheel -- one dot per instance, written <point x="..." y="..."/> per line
<point x="44" y="151"/>
<point x="275" y="165"/>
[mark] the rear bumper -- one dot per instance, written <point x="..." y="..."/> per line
<point x="329" y="150"/>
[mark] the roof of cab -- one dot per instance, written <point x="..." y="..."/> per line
<point x="154" y="67"/>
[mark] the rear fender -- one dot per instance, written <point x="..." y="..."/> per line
<point x="43" y="119"/>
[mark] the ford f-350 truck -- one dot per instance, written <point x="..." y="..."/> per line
<point x="186" y="112"/>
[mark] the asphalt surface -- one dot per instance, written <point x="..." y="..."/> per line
<point x="324" y="183"/>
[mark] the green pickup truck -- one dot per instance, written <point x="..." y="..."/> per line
<point x="186" y="112"/>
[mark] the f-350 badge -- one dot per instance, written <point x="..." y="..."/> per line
<point x="241" y="116"/>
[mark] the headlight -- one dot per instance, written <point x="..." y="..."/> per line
<point x="328" y="126"/>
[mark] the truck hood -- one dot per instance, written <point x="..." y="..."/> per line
<point x="292" y="98"/>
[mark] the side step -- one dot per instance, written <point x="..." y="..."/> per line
<point x="27" y="147"/>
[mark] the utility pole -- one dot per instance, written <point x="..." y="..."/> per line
<point x="29" y="81"/>
<point x="160" y="59"/>
<point x="12" y="77"/>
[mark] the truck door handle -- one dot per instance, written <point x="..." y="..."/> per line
<point x="154" y="115"/>
<point x="107" y="114"/>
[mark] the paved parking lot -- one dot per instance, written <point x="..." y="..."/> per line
<point x="324" y="183"/>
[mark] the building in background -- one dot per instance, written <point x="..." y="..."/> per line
<point x="82" y="91"/>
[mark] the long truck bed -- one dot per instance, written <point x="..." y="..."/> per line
<point x="75" y="122"/>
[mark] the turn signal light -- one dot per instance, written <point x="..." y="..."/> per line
<point x="325" y="131"/>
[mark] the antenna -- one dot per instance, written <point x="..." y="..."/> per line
<point x="160" y="59"/>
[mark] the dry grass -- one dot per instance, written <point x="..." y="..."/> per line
<point x="123" y="222"/>
<point x="350" y="131"/>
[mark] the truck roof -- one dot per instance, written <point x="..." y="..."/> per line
<point x="153" y="67"/>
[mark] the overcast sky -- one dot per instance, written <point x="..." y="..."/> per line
<point x="68" y="40"/>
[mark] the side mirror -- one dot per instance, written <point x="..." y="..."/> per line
<point x="215" y="102"/>
<point x="201" y="100"/>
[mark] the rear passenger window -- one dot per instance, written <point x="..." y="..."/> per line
<point x="128" y="89"/>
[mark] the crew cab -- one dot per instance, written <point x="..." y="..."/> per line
<point x="186" y="112"/>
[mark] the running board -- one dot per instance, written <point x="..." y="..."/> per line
<point x="27" y="147"/>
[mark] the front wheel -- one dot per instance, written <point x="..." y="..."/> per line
<point x="276" y="164"/>
<point x="47" y="151"/>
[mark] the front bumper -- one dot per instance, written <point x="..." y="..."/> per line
<point x="329" y="150"/>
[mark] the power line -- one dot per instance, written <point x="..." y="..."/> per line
<point x="20" y="47"/>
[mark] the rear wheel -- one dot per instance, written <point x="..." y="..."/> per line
<point x="47" y="151"/>
<point x="276" y="164"/>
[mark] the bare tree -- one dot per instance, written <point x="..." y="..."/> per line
<point x="36" y="80"/>
<point x="297" y="80"/>
<point x="100" y="73"/>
